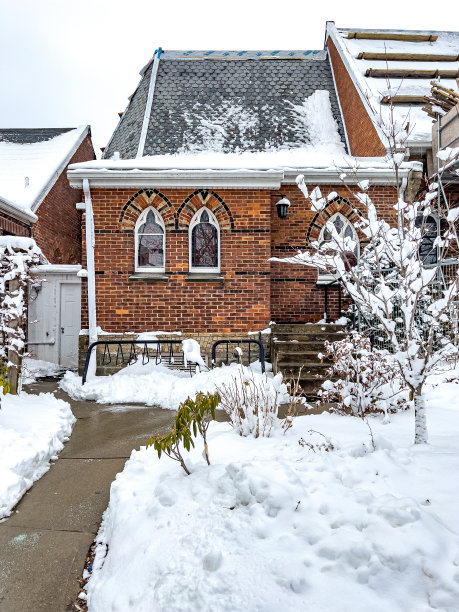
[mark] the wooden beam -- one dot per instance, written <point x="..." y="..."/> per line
<point x="409" y="57"/>
<point x="393" y="36"/>
<point x="406" y="73"/>
<point x="401" y="99"/>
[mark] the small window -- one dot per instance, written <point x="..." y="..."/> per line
<point x="150" y="242"/>
<point x="344" y="228"/>
<point x="204" y="242"/>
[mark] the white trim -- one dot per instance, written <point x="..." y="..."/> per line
<point x="193" y="223"/>
<point x="140" y="220"/>
<point x="17" y="213"/>
<point x="149" y="104"/>
<point x="60" y="169"/>
<point x="360" y="85"/>
<point x="242" y="179"/>
<point x="56" y="269"/>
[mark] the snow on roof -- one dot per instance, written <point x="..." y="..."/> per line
<point x="196" y="101"/>
<point x="31" y="161"/>
<point x="414" y="56"/>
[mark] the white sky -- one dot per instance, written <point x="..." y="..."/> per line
<point x="69" y="62"/>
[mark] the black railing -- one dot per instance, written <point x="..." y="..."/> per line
<point x="237" y="356"/>
<point x="162" y="351"/>
<point x="335" y="284"/>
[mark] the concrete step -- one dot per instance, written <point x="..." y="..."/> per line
<point x="305" y="328"/>
<point x="306" y="368"/>
<point x="318" y="337"/>
<point x="306" y="356"/>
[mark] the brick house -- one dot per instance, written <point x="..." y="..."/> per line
<point x="182" y="211"/>
<point x="36" y="200"/>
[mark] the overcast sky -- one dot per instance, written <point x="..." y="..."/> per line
<point x="65" y="63"/>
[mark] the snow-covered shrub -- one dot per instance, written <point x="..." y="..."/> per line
<point x="362" y="379"/>
<point x="193" y="416"/>
<point x="252" y="405"/>
<point x="16" y="256"/>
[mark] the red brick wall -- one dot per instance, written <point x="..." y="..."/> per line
<point x="362" y="135"/>
<point x="9" y="225"/>
<point x="255" y="290"/>
<point x="58" y="229"/>
<point x="295" y="296"/>
<point x="241" y="302"/>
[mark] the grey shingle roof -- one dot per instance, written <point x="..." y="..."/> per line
<point x="246" y="103"/>
<point x="30" y="135"/>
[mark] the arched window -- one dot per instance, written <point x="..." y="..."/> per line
<point x="344" y="228"/>
<point x="427" y="250"/>
<point x="150" y="242"/>
<point x="204" y="242"/>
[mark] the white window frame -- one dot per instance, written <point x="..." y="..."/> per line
<point x="141" y="221"/>
<point x="325" y="277"/>
<point x="195" y="221"/>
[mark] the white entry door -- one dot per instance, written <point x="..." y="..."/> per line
<point x="69" y="328"/>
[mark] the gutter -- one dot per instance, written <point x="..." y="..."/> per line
<point x="90" y="243"/>
<point x="17" y="213"/>
<point x="242" y="179"/>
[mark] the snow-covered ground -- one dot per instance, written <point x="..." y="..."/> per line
<point x="152" y="385"/>
<point x="37" y="368"/>
<point x="272" y="525"/>
<point x="33" y="429"/>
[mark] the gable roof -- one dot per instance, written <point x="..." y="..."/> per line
<point x="411" y="59"/>
<point x="31" y="160"/>
<point x="225" y="102"/>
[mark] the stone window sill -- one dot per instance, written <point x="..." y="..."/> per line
<point x="149" y="278"/>
<point x="204" y="278"/>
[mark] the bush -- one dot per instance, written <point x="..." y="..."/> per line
<point x="368" y="379"/>
<point x="192" y="416"/>
<point x="252" y="406"/>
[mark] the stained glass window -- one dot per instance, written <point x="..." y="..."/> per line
<point x="427" y="250"/>
<point x="344" y="228"/>
<point x="204" y="242"/>
<point x="150" y="241"/>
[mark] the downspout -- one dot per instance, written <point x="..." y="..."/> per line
<point x="149" y="104"/>
<point x="90" y="243"/>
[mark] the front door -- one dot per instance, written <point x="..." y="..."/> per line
<point x="69" y="328"/>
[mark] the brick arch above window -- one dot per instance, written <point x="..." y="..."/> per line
<point x="204" y="198"/>
<point x="337" y="205"/>
<point x="140" y="201"/>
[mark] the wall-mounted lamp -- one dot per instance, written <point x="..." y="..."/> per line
<point x="282" y="206"/>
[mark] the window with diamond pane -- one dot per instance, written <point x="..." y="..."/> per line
<point x="150" y="242"/>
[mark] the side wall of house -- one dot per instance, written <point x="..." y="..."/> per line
<point x="11" y="226"/>
<point x="363" y="138"/>
<point x="58" y="229"/>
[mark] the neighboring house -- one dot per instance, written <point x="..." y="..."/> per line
<point x="181" y="213"/>
<point x="36" y="200"/>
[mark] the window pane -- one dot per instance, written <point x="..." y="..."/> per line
<point x="150" y="226"/>
<point x="151" y="251"/>
<point x="427" y="251"/>
<point x="204" y="247"/>
<point x="205" y="217"/>
<point x="338" y="223"/>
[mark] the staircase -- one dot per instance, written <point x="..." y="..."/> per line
<point x="296" y="345"/>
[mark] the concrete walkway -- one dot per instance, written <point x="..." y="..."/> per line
<point x="43" y="544"/>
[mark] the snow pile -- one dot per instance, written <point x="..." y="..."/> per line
<point x="27" y="169"/>
<point x="155" y="385"/>
<point x="38" y="368"/>
<point x="33" y="429"/>
<point x="274" y="525"/>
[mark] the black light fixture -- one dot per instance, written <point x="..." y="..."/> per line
<point x="282" y="206"/>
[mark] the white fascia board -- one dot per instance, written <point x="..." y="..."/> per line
<point x="60" y="169"/>
<point x="237" y="179"/>
<point x="17" y="213"/>
<point x="56" y="269"/>
<point x="330" y="176"/>
<point x="359" y="82"/>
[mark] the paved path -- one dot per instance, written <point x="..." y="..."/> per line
<point x="43" y="544"/>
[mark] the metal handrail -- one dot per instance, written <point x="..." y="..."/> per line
<point x="261" y="351"/>
<point x="133" y="353"/>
